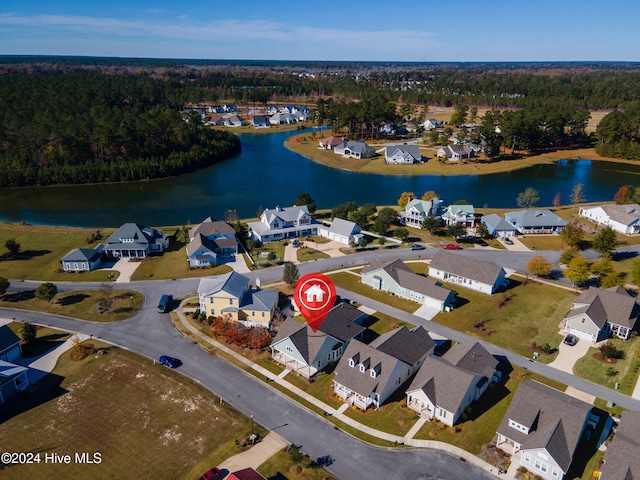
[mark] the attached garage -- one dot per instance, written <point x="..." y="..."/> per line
<point x="9" y="344"/>
<point x="581" y="334"/>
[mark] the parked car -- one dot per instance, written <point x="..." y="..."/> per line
<point x="508" y="241"/>
<point x="452" y="246"/>
<point x="417" y="246"/>
<point x="295" y="243"/>
<point x="170" y="361"/>
<point x="570" y="339"/>
<point x="164" y="305"/>
<point x="214" y="474"/>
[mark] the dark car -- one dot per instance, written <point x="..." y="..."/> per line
<point x="417" y="246"/>
<point x="452" y="246"/>
<point x="164" y="305"/>
<point x="170" y="361"/>
<point x="508" y="241"/>
<point x="214" y="474"/>
<point x="571" y="340"/>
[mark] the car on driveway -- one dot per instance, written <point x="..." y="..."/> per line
<point x="170" y="361"/>
<point x="452" y="246"/>
<point x="570" y="340"/>
<point x="214" y="474"/>
<point x="508" y="241"/>
<point x="417" y="246"/>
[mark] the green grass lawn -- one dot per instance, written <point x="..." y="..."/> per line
<point x="145" y="420"/>
<point x="394" y="417"/>
<point x="282" y="467"/>
<point x="522" y="320"/>
<point x="628" y="368"/>
<point x="306" y="254"/>
<point x="542" y="242"/>
<point x="352" y="282"/>
<point x="82" y="304"/>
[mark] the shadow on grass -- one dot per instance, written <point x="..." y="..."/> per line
<point x="42" y="345"/>
<point x="175" y="245"/>
<point x="26" y="255"/>
<point x="19" y="296"/>
<point x="620" y="256"/>
<point x="72" y="299"/>
<point x="278" y="476"/>
<point x="41" y="392"/>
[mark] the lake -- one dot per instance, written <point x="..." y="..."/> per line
<point x="267" y="174"/>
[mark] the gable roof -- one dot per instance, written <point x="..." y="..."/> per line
<point x="332" y="141"/>
<point x="624" y="214"/>
<point x="473" y="357"/>
<point x="139" y="233"/>
<point x="535" y="218"/>
<point x="423" y="206"/>
<point x="343" y="227"/>
<point x="614" y="305"/>
<point x="287" y="214"/>
<point x="10" y="370"/>
<point x="259" y="300"/>
<point x="622" y="462"/>
<point x="555" y="420"/>
<point x="84" y="254"/>
<point x="246" y="474"/>
<point x="232" y="283"/>
<point x="467" y="267"/>
<point x="454" y="210"/>
<point x="355" y="146"/>
<point x="496" y="222"/>
<point x="209" y="227"/>
<point x="7" y="338"/>
<point x="411" y="152"/>
<point x="404" y="344"/>
<point x="340" y="322"/>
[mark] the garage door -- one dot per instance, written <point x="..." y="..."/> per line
<point x="581" y="334"/>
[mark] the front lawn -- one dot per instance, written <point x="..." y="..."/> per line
<point x="282" y="466"/>
<point x="532" y="314"/>
<point x="352" y="282"/>
<point x="306" y="254"/>
<point x="543" y="242"/>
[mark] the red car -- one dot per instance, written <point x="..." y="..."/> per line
<point x="452" y="246"/>
<point x="214" y="474"/>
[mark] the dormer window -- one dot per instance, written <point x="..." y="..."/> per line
<point x="363" y="368"/>
<point x="352" y="363"/>
<point x="373" y="373"/>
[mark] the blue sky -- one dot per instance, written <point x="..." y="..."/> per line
<point x="375" y="30"/>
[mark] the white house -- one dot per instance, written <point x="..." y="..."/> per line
<point x="460" y="215"/>
<point x="535" y="221"/>
<point x="13" y="378"/>
<point x="431" y="123"/>
<point x="82" y="259"/>
<point x="467" y="272"/>
<point x="281" y="223"/>
<point x="354" y="149"/>
<point x="622" y="218"/>
<point x="621" y="461"/>
<point x="342" y="231"/>
<point x="402" y="154"/>
<point x="455" y="153"/>
<point x="234" y="121"/>
<point x="416" y="211"/>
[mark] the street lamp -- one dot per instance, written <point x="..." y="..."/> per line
<point x="131" y="298"/>
<point x="251" y="424"/>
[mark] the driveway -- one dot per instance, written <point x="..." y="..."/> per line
<point x="256" y="455"/>
<point x="126" y="269"/>
<point x="517" y="246"/>
<point x="426" y="312"/>
<point x="568" y="355"/>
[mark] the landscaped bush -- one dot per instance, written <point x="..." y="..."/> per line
<point x="255" y="338"/>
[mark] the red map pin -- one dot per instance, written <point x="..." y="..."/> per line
<point x="315" y="296"/>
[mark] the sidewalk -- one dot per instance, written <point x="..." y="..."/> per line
<point x="330" y="411"/>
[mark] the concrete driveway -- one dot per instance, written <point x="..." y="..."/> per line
<point x="568" y="355"/>
<point x="517" y="246"/>
<point x="126" y="269"/>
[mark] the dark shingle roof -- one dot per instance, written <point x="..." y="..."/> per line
<point x="467" y="267"/>
<point x="622" y="461"/>
<point x="472" y="356"/>
<point x="407" y="345"/>
<point x="340" y="322"/>
<point x="613" y="305"/>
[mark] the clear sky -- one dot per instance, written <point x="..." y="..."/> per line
<point x="372" y="30"/>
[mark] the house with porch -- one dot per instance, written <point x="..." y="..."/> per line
<point x="402" y="154"/>
<point x="621" y="460"/>
<point x="329" y="143"/>
<point x="542" y="429"/>
<point x="459" y="215"/>
<point x="211" y="242"/>
<point x="367" y="375"/>
<point x="283" y="119"/>
<point x="82" y="259"/>
<point x="234" y="121"/>
<point x="622" y="218"/>
<point x="300" y="349"/>
<point x="431" y="123"/>
<point x="599" y="313"/>
<point x="498" y="226"/>
<point x="261" y="121"/>
<point x="398" y="279"/>
<point x="445" y="386"/>
<point x="135" y="241"/>
<point x="354" y="149"/>
<point x="13" y="378"/>
<point x="417" y="210"/>
<point x="535" y="221"/>
<point x="467" y="272"/>
<point x="281" y="223"/>
<point x="231" y="297"/>
<point x="343" y="231"/>
<point x="455" y="153"/>
<point x="10" y="348"/>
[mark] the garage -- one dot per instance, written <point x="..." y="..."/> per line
<point x="581" y="334"/>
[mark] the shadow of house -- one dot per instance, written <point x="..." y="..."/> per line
<point x="38" y="393"/>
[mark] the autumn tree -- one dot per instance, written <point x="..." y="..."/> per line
<point x="429" y="194"/>
<point x="405" y="198"/>
<point x="528" y="198"/>
<point x="577" y="194"/>
<point x="634" y="272"/>
<point x="606" y="241"/>
<point x="539" y="266"/>
<point x="290" y="274"/>
<point x="568" y="255"/>
<point x="602" y="267"/>
<point x="623" y="195"/>
<point x="573" y="233"/>
<point x="611" y="279"/>
<point x="557" y="200"/>
<point x="577" y="270"/>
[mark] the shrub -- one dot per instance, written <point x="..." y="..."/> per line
<point x="28" y="332"/>
<point x="611" y="372"/>
<point x="609" y="350"/>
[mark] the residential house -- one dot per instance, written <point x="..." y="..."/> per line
<point x="622" y="218"/>
<point x="261" y="121"/>
<point x="398" y="279"/>
<point x="354" y="149"/>
<point x="283" y="119"/>
<point x="299" y="348"/>
<point x="621" y="460"/>
<point x="135" y="241"/>
<point x="215" y="121"/>
<point x="445" y="386"/>
<point x="535" y="221"/>
<point x="245" y="474"/>
<point x="467" y="272"/>
<point x="498" y="226"/>
<point x="402" y="154"/>
<point x="271" y="109"/>
<point x="13" y="378"/>
<point x="597" y="313"/>
<point x="367" y="375"/>
<point x="342" y="231"/>
<point x="431" y="123"/>
<point x="231" y="297"/>
<point x="416" y="211"/>
<point x="329" y="143"/>
<point x="545" y="426"/>
<point x="281" y="223"/>
<point x="460" y="215"/>
<point x="211" y="242"/>
<point x="234" y="121"/>
<point x="82" y="259"/>
<point x="229" y="108"/>
<point x="455" y="153"/>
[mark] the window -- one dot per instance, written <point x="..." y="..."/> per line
<point x="555" y="472"/>
<point x="373" y="373"/>
<point x="289" y="349"/>
<point x="544" y="467"/>
<point x="537" y="464"/>
<point x="362" y="369"/>
<point x="527" y="458"/>
<point x="352" y="363"/>
<point x="582" y="319"/>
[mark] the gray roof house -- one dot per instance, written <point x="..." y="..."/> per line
<point x="454" y="153"/>
<point x="597" y="313"/>
<point x="459" y="214"/>
<point x="622" y="218"/>
<point x="329" y="143"/>
<point x="467" y="272"/>
<point x="13" y="378"/>
<point x="535" y="221"/>
<point x="343" y="231"/>
<point x="299" y="348"/>
<point x="498" y="226"/>
<point x="622" y="462"/>
<point x="261" y="121"/>
<point x="82" y="259"/>
<point x="211" y="242"/>
<point x="398" y="279"/>
<point x="281" y="223"/>
<point x="10" y="348"/>
<point x="367" y="375"/>
<point x="354" y="149"/>
<point x="135" y="240"/>
<point x="545" y="425"/>
<point x="402" y="154"/>
<point x="445" y="386"/>
<point x="417" y="210"/>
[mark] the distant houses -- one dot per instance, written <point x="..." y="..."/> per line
<point x="624" y="219"/>
<point x="281" y="223"/>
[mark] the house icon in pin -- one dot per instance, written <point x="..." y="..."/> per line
<point x="315" y="294"/>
